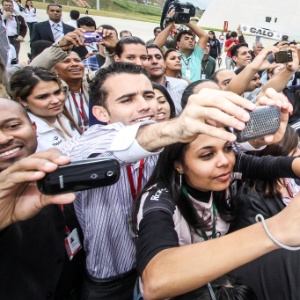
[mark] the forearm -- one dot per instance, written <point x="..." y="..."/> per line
<point x="160" y="40"/>
<point x="49" y="57"/>
<point x="179" y="270"/>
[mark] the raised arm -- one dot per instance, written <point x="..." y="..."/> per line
<point x="201" y="34"/>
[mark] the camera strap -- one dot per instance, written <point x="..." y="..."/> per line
<point x="135" y="191"/>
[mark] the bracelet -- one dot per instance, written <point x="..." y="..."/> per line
<point x="259" y="218"/>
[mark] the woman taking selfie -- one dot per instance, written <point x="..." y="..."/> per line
<point x="188" y="201"/>
<point x="40" y="92"/>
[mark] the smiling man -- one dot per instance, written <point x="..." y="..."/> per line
<point x="241" y="55"/>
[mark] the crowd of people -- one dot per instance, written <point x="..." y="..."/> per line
<point x="195" y="214"/>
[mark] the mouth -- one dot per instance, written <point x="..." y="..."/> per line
<point x="224" y="177"/>
<point x="75" y="71"/>
<point x="143" y="119"/>
<point x="160" y="116"/>
<point x="58" y="107"/>
<point x="10" y="153"/>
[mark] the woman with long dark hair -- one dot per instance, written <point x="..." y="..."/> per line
<point x="40" y="92"/>
<point x="215" y="47"/>
<point x="29" y="14"/>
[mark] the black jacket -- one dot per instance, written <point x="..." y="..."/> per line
<point x="34" y="263"/>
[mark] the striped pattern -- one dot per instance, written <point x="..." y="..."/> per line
<point x="104" y="213"/>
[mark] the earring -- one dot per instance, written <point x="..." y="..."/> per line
<point x="180" y="180"/>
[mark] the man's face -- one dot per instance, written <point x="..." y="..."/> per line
<point x="17" y="134"/>
<point x="243" y="57"/>
<point x="8" y="6"/>
<point x="130" y="99"/>
<point x="187" y="42"/>
<point x="157" y="66"/>
<point x="254" y="83"/>
<point x="88" y="28"/>
<point x="207" y="49"/>
<point x="157" y="32"/>
<point x="125" y="34"/>
<point x="224" y="77"/>
<point x="54" y="12"/>
<point x="257" y="48"/>
<point x="134" y="53"/>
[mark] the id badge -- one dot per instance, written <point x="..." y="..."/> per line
<point x="203" y="76"/>
<point x="72" y="243"/>
<point x="188" y="73"/>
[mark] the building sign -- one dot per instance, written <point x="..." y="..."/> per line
<point x="225" y="26"/>
<point x="263" y="32"/>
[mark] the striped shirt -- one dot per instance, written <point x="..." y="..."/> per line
<point x="104" y="213"/>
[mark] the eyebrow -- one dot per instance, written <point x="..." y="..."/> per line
<point x="3" y="122"/>
<point x="133" y="94"/>
<point x="210" y="147"/>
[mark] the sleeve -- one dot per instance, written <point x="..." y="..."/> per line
<point x="49" y="57"/>
<point x="156" y="233"/>
<point x="35" y="35"/>
<point x="23" y="26"/>
<point x="265" y="167"/>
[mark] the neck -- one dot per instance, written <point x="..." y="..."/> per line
<point x="186" y="52"/>
<point x="198" y="195"/>
<point x="160" y="79"/>
<point x="172" y="73"/>
<point x="205" y="56"/>
<point x="75" y="85"/>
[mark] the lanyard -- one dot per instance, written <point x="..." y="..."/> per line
<point x="204" y="69"/>
<point x="134" y="191"/>
<point x="81" y="108"/>
<point x="204" y="235"/>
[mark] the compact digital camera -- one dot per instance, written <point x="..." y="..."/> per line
<point x="90" y="37"/>
<point x="80" y="175"/>
<point x="283" y="56"/>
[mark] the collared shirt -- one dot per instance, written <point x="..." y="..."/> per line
<point x="11" y="26"/>
<point x="191" y="66"/>
<point x="176" y="87"/>
<point x="92" y="62"/>
<point x="104" y="213"/>
<point x="54" y="30"/>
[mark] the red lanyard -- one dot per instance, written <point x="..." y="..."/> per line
<point x="135" y="192"/>
<point x="81" y="109"/>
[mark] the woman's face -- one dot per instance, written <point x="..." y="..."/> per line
<point x="173" y="61"/>
<point x="208" y="163"/>
<point x="29" y="3"/>
<point x="163" y="107"/>
<point x="46" y="100"/>
<point x="70" y="68"/>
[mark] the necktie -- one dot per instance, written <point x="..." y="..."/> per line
<point x="56" y="32"/>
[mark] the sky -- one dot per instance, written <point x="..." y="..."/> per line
<point x="200" y="3"/>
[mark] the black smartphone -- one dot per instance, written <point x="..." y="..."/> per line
<point x="264" y="120"/>
<point x="283" y="56"/>
<point x="80" y="175"/>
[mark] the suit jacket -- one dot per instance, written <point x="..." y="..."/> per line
<point x="42" y="31"/>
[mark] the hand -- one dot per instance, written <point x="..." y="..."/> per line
<point x="260" y="61"/>
<point x="292" y="66"/>
<point x="273" y="98"/>
<point x="110" y="39"/>
<point x="71" y="39"/>
<point x="210" y="109"/>
<point x="20" y="198"/>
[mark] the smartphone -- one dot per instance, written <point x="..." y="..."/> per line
<point x="80" y="175"/>
<point x="90" y="37"/>
<point x="264" y="120"/>
<point x="283" y="56"/>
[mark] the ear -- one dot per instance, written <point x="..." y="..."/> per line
<point x="116" y="58"/>
<point x="34" y="126"/>
<point x="178" y="167"/>
<point x="101" y="113"/>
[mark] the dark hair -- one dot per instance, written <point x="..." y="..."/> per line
<point x="288" y="143"/>
<point x="189" y="90"/>
<point x="233" y="34"/>
<point x="11" y="1"/>
<point x="236" y="47"/>
<point x="161" y="88"/>
<point x="154" y="46"/>
<point x="37" y="47"/>
<point x="74" y="14"/>
<point x="97" y="93"/>
<point x="124" y="31"/>
<point x="213" y="33"/>
<point x="26" y="6"/>
<point x="156" y="28"/>
<point x="86" y="21"/>
<point x="53" y="4"/>
<point x="183" y="32"/>
<point x="126" y="41"/>
<point x="224" y="288"/>
<point x="166" y="176"/>
<point x="169" y="51"/>
<point x="109" y="27"/>
<point x="214" y="76"/>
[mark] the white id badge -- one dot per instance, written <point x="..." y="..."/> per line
<point x="203" y="76"/>
<point x="188" y="73"/>
<point x="72" y="243"/>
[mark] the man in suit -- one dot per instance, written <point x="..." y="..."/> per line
<point x="52" y="30"/>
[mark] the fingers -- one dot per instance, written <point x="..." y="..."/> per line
<point x="71" y="39"/>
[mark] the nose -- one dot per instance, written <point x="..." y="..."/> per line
<point x="222" y="160"/>
<point x="4" y="138"/>
<point x="138" y="61"/>
<point x="143" y="105"/>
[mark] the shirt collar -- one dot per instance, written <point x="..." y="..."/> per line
<point x="51" y="23"/>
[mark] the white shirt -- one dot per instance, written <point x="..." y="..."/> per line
<point x="11" y="26"/>
<point x="48" y="136"/>
<point x="54" y="30"/>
